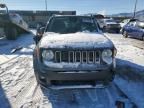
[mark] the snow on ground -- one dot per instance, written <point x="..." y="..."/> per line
<point x="7" y="45"/>
<point x="130" y="53"/>
<point x="24" y="44"/>
<point x="16" y="72"/>
<point x="127" y="54"/>
<point x="18" y="87"/>
<point x="130" y="69"/>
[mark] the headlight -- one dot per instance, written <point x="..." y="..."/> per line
<point x="47" y="55"/>
<point x="107" y="56"/>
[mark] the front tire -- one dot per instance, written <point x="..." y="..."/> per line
<point x="143" y="38"/>
<point x="117" y="31"/>
<point x="11" y="33"/>
<point x="125" y="35"/>
<point x="43" y="82"/>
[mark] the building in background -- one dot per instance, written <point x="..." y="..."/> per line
<point x="39" y="17"/>
<point x="140" y="15"/>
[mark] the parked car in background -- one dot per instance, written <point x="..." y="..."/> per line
<point x="109" y="25"/>
<point x="11" y="24"/>
<point x="134" y="29"/>
<point x="72" y="49"/>
<point x="16" y="18"/>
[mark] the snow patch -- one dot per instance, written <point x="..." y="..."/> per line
<point x="75" y="40"/>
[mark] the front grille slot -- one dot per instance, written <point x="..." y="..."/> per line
<point x="58" y="56"/>
<point x="64" y="56"/>
<point x="84" y="56"/>
<point x="71" y="56"/>
<point x="89" y="57"/>
<point x="77" y="56"/>
<point x="97" y="56"/>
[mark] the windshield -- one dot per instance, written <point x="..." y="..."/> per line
<point x="71" y="25"/>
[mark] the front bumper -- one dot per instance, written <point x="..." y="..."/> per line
<point x="46" y="75"/>
<point x="81" y="75"/>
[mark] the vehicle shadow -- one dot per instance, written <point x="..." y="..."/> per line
<point x="111" y="32"/>
<point x="78" y="98"/>
<point x="92" y="98"/>
<point x="22" y="46"/>
<point x="4" y="102"/>
<point x="134" y="38"/>
<point x="129" y="70"/>
<point x="60" y="98"/>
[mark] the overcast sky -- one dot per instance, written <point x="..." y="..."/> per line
<point x="81" y="6"/>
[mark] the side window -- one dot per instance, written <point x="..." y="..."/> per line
<point x="128" y="24"/>
<point x="140" y="25"/>
<point x="132" y="23"/>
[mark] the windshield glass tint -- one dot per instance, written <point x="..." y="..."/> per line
<point x="72" y="25"/>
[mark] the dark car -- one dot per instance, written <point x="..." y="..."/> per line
<point x="72" y="50"/>
<point x="134" y="29"/>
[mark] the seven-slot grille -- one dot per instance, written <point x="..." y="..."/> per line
<point x="77" y="56"/>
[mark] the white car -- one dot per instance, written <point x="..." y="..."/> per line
<point x="124" y="22"/>
<point x="109" y="25"/>
<point x="17" y="19"/>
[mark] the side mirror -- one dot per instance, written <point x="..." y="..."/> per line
<point x="36" y="39"/>
<point x="40" y="31"/>
<point x="39" y="34"/>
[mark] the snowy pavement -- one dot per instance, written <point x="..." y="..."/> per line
<point x="18" y="87"/>
<point x="130" y="67"/>
<point x="130" y="53"/>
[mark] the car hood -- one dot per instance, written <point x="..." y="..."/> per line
<point x="75" y="40"/>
